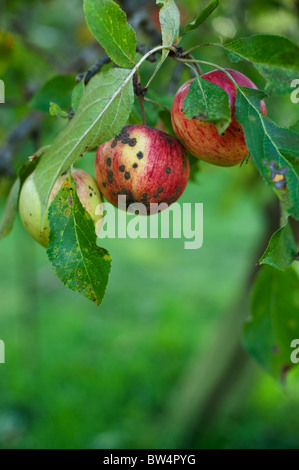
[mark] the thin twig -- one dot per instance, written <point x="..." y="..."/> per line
<point x="186" y="53"/>
<point x="143" y="50"/>
<point x="156" y="103"/>
<point x="93" y="70"/>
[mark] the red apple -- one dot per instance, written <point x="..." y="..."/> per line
<point x="144" y="164"/>
<point x="201" y="138"/>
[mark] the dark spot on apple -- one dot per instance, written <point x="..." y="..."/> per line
<point x="129" y="196"/>
<point x="160" y="190"/>
<point x="135" y="165"/>
<point x="90" y="194"/>
<point x="175" y="196"/>
<point x="127" y="175"/>
<point x="239" y="130"/>
<point x="168" y="170"/>
<point x="114" y="143"/>
<point x="104" y="184"/>
<point x="133" y="142"/>
<point x="169" y="140"/>
<point x="139" y="155"/>
<point x="108" y="161"/>
<point x="122" y="168"/>
<point x="110" y="176"/>
<point x="223" y="133"/>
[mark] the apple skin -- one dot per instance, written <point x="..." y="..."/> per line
<point x="30" y="207"/>
<point x="144" y="164"/>
<point x="201" y="138"/>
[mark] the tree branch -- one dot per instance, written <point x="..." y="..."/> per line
<point x="27" y="127"/>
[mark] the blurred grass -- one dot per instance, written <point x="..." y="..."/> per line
<point x="81" y="376"/>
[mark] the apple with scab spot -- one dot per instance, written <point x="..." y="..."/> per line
<point x="30" y="207"/>
<point x="144" y="164"/>
<point x="201" y="138"/>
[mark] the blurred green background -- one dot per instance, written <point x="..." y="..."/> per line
<point x="159" y="364"/>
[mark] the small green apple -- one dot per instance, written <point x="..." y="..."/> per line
<point x="30" y="206"/>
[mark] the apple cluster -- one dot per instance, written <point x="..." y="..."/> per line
<point x="147" y="165"/>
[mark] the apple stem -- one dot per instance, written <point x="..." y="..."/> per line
<point x="141" y="103"/>
<point x="141" y="99"/>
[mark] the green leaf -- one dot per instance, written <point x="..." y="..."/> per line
<point x="108" y="24"/>
<point x="295" y="127"/>
<point x="274" y="150"/>
<point x="169" y="16"/>
<point x="201" y="18"/>
<point x="55" y="110"/>
<point x="58" y="89"/>
<point x="102" y="113"/>
<point x="76" y="259"/>
<point x="10" y="210"/>
<point x="275" y="319"/>
<point x="208" y="102"/>
<point x="281" y="250"/>
<point x="77" y="94"/>
<point x="275" y="57"/>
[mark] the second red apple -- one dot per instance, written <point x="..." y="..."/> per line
<point x="201" y="138"/>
